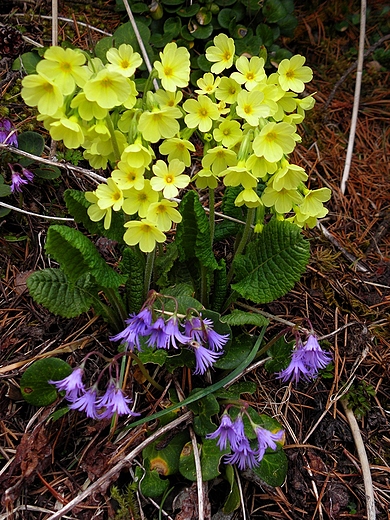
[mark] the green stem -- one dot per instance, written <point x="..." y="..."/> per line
<point x="244" y="239"/>
<point x="116" y="302"/>
<point x="199" y="394"/>
<point x="203" y="286"/>
<point x="145" y="372"/>
<point x="148" y="271"/>
<point x="115" y="146"/>
<point x="212" y="213"/>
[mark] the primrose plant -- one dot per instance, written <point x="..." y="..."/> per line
<point x="170" y="157"/>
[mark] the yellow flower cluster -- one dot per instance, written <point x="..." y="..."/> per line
<point x="248" y="121"/>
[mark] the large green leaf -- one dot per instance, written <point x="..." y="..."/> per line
<point x="210" y="458"/>
<point x="240" y="318"/>
<point x="193" y="233"/>
<point x="273" y="468"/>
<point x="133" y="266"/>
<point x="77" y="256"/>
<point x="52" y="289"/>
<point x="272" y="264"/>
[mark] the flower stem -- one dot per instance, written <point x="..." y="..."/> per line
<point x="244" y="239"/>
<point x="212" y="213"/>
<point x="148" y="271"/>
<point x="145" y="372"/>
<point x="115" y="146"/>
<point x="116" y="302"/>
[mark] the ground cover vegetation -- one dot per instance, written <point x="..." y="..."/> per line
<point x="183" y="341"/>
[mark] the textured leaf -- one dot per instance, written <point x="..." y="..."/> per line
<point x="235" y="391"/>
<point x="77" y="206"/>
<point x="228" y="228"/>
<point x="280" y="354"/>
<point x="239" y="318"/>
<point x="52" y="289"/>
<point x="272" y="264"/>
<point x="220" y="286"/>
<point x="164" y="453"/>
<point x="152" y="485"/>
<point x="204" y="409"/>
<point x="235" y="352"/>
<point x="133" y="266"/>
<point x="77" y="256"/>
<point x="193" y="233"/>
<point x="34" y="382"/>
<point x="233" y="501"/>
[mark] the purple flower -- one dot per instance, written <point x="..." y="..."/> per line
<point x="172" y="329"/>
<point x="137" y="325"/>
<point x="226" y="432"/>
<point x="72" y="385"/>
<point x="8" y="132"/>
<point x="315" y="357"/>
<point x="243" y="455"/>
<point x="87" y="403"/>
<point x="266" y="439"/>
<point x="17" y="180"/>
<point x="158" y="335"/>
<point x="306" y="361"/>
<point x="204" y="358"/>
<point x="113" y="401"/>
<point x="202" y="331"/>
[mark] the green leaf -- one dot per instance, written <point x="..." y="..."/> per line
<point x="227" y="228"/>
<point x="77" y="256"/>
<point x="5" y="189"/>
<point x="151" y="484"/>
<point x="287" y="25"/>
<point x="133" y="266"/>
<point x="52" y="289"/>
<point x="77" y="206"/>
<point x="272" y="264"/>
<point x="220" y="287"/>
<point x="204" y="409"/>
<point x="47" y="172"/>
<point x="233" y="501"/>
<point x="280" y="354"/>
<point x="240" y="318"/>
<point x="234" y="392"/>
<point x="152" y="355"/>
<point x="235" y="352"/>
<point x="274" y="10"/>
<point x="203" y="32"/>
<point x="265" y="34"/>
<point x="226" y="16"/>
<point x="125" y="34"/>
<point x="210" y="458"/>
<point x="102" y="47"/>
<point x="193" y="233"/>
<point x="163" y="454"/>
<point x="28" y="61"/>
<point x="188" y="11"/>
<point x="273" y="468"/>
<point x="34" y="382"/>
<point x="31" y="142"/>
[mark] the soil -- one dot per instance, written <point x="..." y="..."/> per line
<point x="345" y="292"/>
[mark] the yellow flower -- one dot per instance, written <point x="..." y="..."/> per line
<point x="88" y="110"/>
<point x="174" y="68"/>
<point x="274" y="140"/>
<point x="69" y="131"/>
<point x="159" y="123"/>
<point x="108" y="89"/>
<point x="144" y="233"/>
<point x="227" y="90"/>
<point x="239" y="175"/>
<point x="131" y="95"/>
<point x="127" y="176"/>
<point x="218" y="159"/>
<point x="168" y="178"/>
<point x="95" y="213"/>
<point x="109" y="195"/>
<point x="177" y="148"/>
<point x="251" y="72"/>
<point x="293" y="75"/>
<point x="207" y="84"/>
<point x="138" y="201"/>
<point x="222" y="53"/>
<point x="40" y="91"/>
<point x="168" y="99"/>
<point x="163" y="213"/>
<point x="249" y="197"/>
<point x="65" y="68"/>
<point x="123" y="60"/>
<point x="228" y="133"/>
<point x="312" y="203"/>
<point x="289" y="176"/>
<point x="137" y="154"/>
<point x="260" y="167"/>
<point x="250" y="106"/>
<point x="201" y="113"/>
<point x="205" y="178"/>
<point x="96" y="160"/>
<point x="282" y="200"/>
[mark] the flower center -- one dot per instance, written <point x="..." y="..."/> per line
<point x="250" y="76"/>
<point x="169" y="178"/>
<point x="125" y="64"/>
<point x="116" y="195"/>
<point x="65" y="66"/>
<point x="226" y="56"/>
<point x="48" y="87"/>
<point x="290" y="74"/>
<point x="203" y="112"/>
<point x="271" y="136"/>
<point x="247" y="109"/>
<point x="106" y="83"/>
<point x="168" y="71"/>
